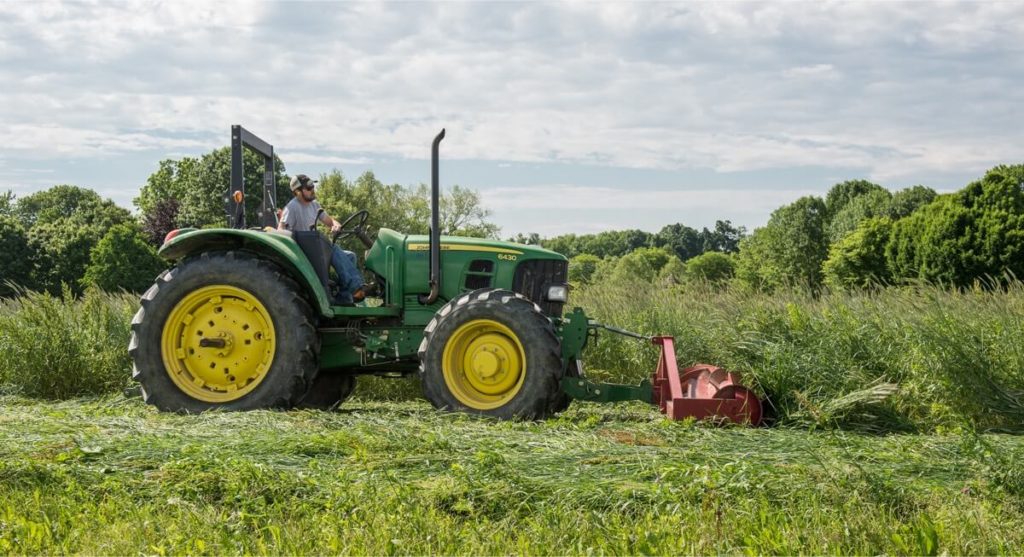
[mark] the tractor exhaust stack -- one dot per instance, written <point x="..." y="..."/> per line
<point x="435" y="232"/>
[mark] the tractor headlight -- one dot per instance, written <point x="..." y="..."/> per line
<point x="559" y="293"/>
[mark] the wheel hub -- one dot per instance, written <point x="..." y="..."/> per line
<point x="218" y="343"/>
<point x="484" y="364"/>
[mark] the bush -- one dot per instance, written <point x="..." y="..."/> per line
<point x="582" y="268"/>
<point x="123" y="260"/>
<point x="62" y="347"/>
<point x="712" y="266"/>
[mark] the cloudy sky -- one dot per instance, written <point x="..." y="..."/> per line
<point x="567" y="117"/>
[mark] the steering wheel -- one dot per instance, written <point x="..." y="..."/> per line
<point x="354" y="225"/>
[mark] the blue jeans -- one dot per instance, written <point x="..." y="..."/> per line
<point x="349" y="277"/>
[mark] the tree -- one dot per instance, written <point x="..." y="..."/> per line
<point x="788" y="250"/>
<point x="959" y="238"/>
<point x="843" y="193"/>
<point x="61" y="252"/>
<point x="462" y="214"/>
<point x="72" y="204"/>
<point x="712" y="266"/>
<point x="16" y="256"/>
<point x="162" y="219"/>
<point x="7" y="203"/>
<point x="858" y="260"/>
<point x="908" y="200"/>
<point x="405" y="209"/>
<point x="582" y="268"/>
<point x="682" y="240"/>
<point x="874" y="203"/>
<point x="531" y="239"/>
<point x="724" y="238"/>
<point x="123" y="260"/>
<point x="201" y="187"/>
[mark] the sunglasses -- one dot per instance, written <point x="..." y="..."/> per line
<point x="309" y="187"/>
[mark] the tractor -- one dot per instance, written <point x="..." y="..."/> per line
<point x="244" y="320"/>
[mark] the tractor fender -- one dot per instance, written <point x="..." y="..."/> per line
<point x="276" y="246"/>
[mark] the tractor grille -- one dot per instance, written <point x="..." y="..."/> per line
<point x="533" y="277"/>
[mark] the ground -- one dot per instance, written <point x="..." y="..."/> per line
<point x="113" y="476"/>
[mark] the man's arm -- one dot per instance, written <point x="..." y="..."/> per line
<point x="328" y="221"/>
<point x="285" y="222"/>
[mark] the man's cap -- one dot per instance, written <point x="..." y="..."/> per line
<point x="301" y="180"/>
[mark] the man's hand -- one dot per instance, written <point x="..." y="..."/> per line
<point x="335" y="227"/>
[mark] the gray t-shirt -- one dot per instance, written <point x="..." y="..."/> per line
<point x="300" y="216"/>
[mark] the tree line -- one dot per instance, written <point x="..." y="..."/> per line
<point x="859" y="234"/>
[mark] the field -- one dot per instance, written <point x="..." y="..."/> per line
<point x="898" y="421"/>
<point x="111" y="476"/>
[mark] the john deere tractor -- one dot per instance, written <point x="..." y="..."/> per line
<point x="244" y="319"/>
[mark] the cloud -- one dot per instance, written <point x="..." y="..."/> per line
<point x="890" y="89"/>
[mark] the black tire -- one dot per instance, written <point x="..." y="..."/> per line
<point x="540" y="388"/>
<point x="328" y="391"/>
<point x="294" y="362"/>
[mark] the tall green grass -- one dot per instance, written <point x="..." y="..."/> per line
<point x="891" y="359"/>
<point x="922" y="358"/>
<point x="63" y="347"/>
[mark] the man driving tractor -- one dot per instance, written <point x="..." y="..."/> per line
<point x="302" y="213"/>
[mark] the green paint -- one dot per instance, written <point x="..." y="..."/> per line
<point x="386" y="337"/>
<point x="580" y="388"/>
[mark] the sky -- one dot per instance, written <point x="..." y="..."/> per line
<point x="566" y="117"/>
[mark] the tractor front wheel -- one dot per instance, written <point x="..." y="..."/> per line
<point x="491" y="352"/>
<point x="223" y="330"/>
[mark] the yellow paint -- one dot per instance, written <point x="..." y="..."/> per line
<point x="463" y="247"/>
<point x="484" y="364"/>
<point x="223" y="315"/>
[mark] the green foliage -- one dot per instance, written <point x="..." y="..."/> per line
<point x="16" y="257"/>
<point x="62" y="347"/>
<point x="201" y="186"/>
<point x="874" y="203"/>
<point x="7" y="204"/>
<point x="963" y="237"/>
<point x="906" y="201"/>
<point x="72" y="206"/>
<point x="613" y="243"/>
<point x="683" y="241"/>
<point x="61" y="254"/>
<point x="641" y="264"/>
<point x="843" y="193"/>
<point x="463" y="214"/>
<point x="582" y="268"/>
<point x="789" y="250"/>
<point x="123" y="260"/>
<point x="858" y="260"/>
<point x="712" y="266"/>
<point x="405" y="209"/>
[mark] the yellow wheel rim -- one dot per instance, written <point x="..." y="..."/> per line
<point x="484" y="364"/>
<point x="218" y="343"/>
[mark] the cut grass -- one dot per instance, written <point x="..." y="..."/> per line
<point x="112" y="476"/>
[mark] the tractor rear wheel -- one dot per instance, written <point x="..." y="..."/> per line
<point x="494" y="353"/>
<point x="223" y="330"/>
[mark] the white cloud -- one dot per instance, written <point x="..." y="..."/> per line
<point x="891" y="90"/>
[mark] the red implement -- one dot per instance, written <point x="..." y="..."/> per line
<point x="701" y="391"/>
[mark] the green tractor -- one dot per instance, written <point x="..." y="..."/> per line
<point x="244" y="319"/>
